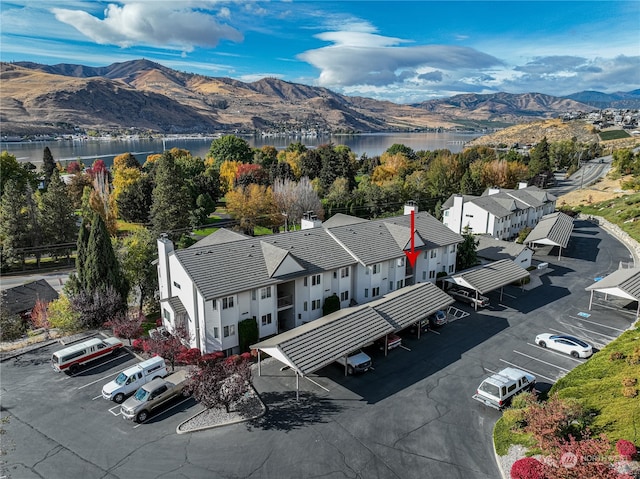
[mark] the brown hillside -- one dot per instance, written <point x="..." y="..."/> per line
<point x="529" y="133"/>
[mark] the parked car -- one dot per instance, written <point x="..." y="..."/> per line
<point x="153" y="395"/>
<point x="356" y="362"/>
<point x="469" y="297"/>
<point x="72" y="357"/>
<point x="393" y="341"/>
<point x="435" y="320"/>
<point x="129" y="380"/>
<point x="498" y="390"/>
<point x="565" y="344"/>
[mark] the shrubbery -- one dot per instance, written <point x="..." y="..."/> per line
<point x="527" y="468"/>
<point x="626" y="449"/>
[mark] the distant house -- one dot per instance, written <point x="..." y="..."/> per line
<point x="501" y="213"/>
<point x="490" y="249"/>
<point x="21" y="299"/>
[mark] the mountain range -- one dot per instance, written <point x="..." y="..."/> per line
<point x="141" y="95"/>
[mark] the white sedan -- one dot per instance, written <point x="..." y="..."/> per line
<point x="565" y="344"/>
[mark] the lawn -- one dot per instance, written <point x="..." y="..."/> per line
<point x="613" y="135"/>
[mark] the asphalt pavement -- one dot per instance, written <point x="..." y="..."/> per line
<point x="413" y="416"/>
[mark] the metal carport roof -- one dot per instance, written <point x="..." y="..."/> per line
<point x="554" y="229"/>
<point x="312" y="346"/>
<point x="623" y="283"/>
<point x="490" y="276"/>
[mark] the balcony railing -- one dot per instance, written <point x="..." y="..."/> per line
<point x="285" y="301"/>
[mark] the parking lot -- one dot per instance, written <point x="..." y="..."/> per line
<point x="411" y="416"/>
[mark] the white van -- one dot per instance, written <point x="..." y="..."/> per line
<point x="129" y="380"/>
<point x="498" y="390"/>
<point x="71" y="358"/>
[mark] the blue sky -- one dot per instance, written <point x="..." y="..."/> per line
<point x="403" y="51"/>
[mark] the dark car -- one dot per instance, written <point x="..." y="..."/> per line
<point x="437" y="319"/>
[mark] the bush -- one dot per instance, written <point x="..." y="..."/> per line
<point x="138" y="344"/>
<point x="626" y="382"/>
<point x="626" y="449"/>
<point x="634" y="358"/>
<point x="190" y="356"/>
<point x="527" y="468"/>
<point x="615" y="356"/>
<point x="629" y="392"/>
<point x="11" y="327"/>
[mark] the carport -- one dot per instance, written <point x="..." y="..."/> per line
<point x="554" y="229"/>
<point x="314" y="345"/>
<point x="623" y="283"/>
<point x="489" y="277"/>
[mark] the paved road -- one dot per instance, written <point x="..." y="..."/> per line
<point x="587" y="174"/>
<point x="412" y="417"/>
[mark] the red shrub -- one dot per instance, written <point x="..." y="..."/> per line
<point x="189" y="356"/>
<point x="246" y="356"/>
<point x="208" y="357"/>
<point x="138" y="344"/>
<point x="527" y="468"/>
<point x="158" y="322"/>
<point x="626" y="449"/>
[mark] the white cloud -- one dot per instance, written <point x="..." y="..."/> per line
<point x="169" y="25"/>
<point x="359" y="58"/>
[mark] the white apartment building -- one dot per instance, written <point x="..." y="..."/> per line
<point x="283" y="280"/>
<point x="501" y="213"/>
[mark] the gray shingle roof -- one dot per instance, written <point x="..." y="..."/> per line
<point x="340" y="219"/>
<point x="176" y="304"/>
<point x="220" y="236"/>
<point x="20" y="299"/>
<point x="526" y="196"/>
<point x="491" y="276"/>
<point x="222" y="269"/>
<point x="372" y="242"/>
<point x="499" y="207"/>
<point x="491" y="248"/>
<point x="555" y="228"/>
<point x="627" y="280"/>
<point x="318" y="343"/>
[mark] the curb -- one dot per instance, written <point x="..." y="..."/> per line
<point x="228" y="423"/>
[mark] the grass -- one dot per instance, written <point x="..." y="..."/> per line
<point x="613" y="135"/>
<point x="622" y="211"/>
<point x="598" y="385"/>
<point x="505" y="436"/>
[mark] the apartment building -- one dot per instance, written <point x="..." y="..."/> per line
<point x="501" y="213"/>
<point x="283" y="280"/>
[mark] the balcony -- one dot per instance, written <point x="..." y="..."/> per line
<point x="285" y="301"/>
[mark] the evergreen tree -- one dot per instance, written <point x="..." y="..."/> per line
<point x="137" y="252"/>
<point x="230" y="148"/>
<point x="48" y="165"/>
<point x="101" y="269"/>
<point x="57" y="220"/>
<point x="134" y="202"/>
<point x="467" y="255"/>
<point x="171" y="200"/>
<point x="13" y="223"/>
<point x="539" y="158"/>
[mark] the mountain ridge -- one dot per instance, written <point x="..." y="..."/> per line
<point x="144" y="95"/>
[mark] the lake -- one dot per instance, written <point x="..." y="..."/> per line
<point x="373" y="144"/>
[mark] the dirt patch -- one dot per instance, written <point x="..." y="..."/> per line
<point x="604" y="189"/>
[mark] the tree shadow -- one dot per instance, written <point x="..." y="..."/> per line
<point x="285" y="413"/>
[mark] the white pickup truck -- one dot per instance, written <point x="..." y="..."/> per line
<point x="155" y="394"/>
<point x="498" y="390"/>
<point x="129" y="380"/>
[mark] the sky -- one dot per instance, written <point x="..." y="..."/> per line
<point x="402" y="51"/>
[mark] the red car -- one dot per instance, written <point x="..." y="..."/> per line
<point x="393" y="341"/>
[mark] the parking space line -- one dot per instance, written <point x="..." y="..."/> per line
<point x="317" y="384"/>
<point x="162" y="412"/>
<point x="433" y="331"/>
<point x="509" y="295"/>
<point x="540" y="360"/>
<point x="93" y="382"/>
<point x="115" y="413"/>
<point x="614" y="308"/>
<point x="537" y="346"/>
<point x="528" y="370"/>
<point x="599" y="324"/>
<point x="489" y="371"/>
<point x="405" y="348"/>
<point x="611" y="338"/>
<point x="593" y="343"/>
<point x="97" y="397"/>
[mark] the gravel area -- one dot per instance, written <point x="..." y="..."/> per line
<point x="249" y="407"/>
<point x="516" y="451"/>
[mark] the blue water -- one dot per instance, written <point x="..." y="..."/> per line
<point x="90" y="150"/>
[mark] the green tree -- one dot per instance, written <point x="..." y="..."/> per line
<point x="57" y="220"/>
<point x="136" y="253"/>
<point x="101" y="269"/>
<point x="135" y="200"/>
<point x="467" y="255"/>
<point x="171" y="199"/>
<point x="14" y="231"/>
<point x="248" y="334"/>
<point x="12" y="170"/>
<point x="230" y="148"/>
<point x="539" y="159"/>
<point x="623" y="161"/>
<point x="11" y="325"/>
<point x="62" y="316"/>
<point x="331" y="304"/>
<point x="404" y="150"/>
<point x="48" y="165"/>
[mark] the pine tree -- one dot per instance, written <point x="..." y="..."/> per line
<point x="101" y="268"/>
<point x="56" y="213"/>
<point x="13" y="223"/>
<point x="48" y="165"/>
<point x="171" y="200"/>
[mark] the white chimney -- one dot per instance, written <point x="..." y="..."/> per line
<point x="165" y="248"/>
<point x="410" y="206"/>
<point x="309" y="221"/>
<point x="522" y="185"/>
<point x="493" y="190"/>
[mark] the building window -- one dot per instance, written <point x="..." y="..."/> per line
<point x="176" y="285"/>
<point x="214" y="303"/>
<point x="315" y="304"/>
<point x="227" y="303"/>
<point x="446" y="212"/>
<point x="375" y="291"/>
<point x="453" y="249"/>
<point x="305" y="281"/>
<point x="424" y="275"/>
<point x="433" y="253"/>
<point x="266" y="319"/>
<point x="432" y="274"/>
<point x="344" y="273"/>
<point x="166" y="315"/>
<point x="216" y="333"/>
<point x="253" y="294"/>
<point x="335" y="274"/>
<point x="366" y="292"/>
<point x="229" y="330"/>
<point x="450" y="268"/>
<point x="265" y="292"/>
<point x="315" y="279"/>
<point x="376" y="268"/>
<point x="400" y="284"/>
<point x="344" y="296"/>
<point x="304" y="306"/>
<point x="390" y="285"/>
<point x="400" y="262"/>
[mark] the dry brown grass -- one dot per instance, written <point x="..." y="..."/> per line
<point x="604" y="189"/>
